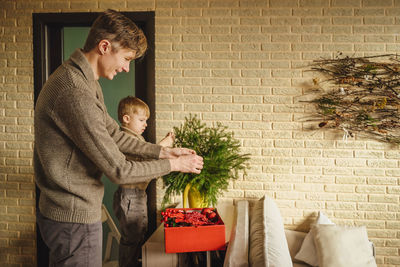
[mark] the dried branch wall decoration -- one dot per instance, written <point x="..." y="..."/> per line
<point x="363" y="95"/>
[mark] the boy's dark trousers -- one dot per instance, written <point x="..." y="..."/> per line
<point x="130" y="207"/>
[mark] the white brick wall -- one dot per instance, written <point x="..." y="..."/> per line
<point x="240" y="62"/>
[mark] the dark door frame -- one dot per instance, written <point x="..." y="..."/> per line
<point x="47" y="56"/>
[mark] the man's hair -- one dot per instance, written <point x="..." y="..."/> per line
<point x="119" y="30"/>
<point x="131" y="104"/>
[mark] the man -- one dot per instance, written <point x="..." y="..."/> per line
<point x="76" y="141"/>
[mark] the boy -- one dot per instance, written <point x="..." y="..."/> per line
<point x="130" y="200"/>
<point x="76" y="141"/>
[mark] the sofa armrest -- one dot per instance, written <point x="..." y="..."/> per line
<point x="237" y="254"/>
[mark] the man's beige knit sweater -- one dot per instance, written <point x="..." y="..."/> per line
<point x="76" y="141"/>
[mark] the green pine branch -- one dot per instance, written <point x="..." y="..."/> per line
<point x="221" y="155"/>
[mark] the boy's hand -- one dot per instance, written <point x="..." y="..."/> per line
<point x="168" y="140"/>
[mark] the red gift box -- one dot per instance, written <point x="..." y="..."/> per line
<point x="195" y="238"/>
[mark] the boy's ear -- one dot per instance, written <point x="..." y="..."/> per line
<point x="126" y="118"/>
<point x="104" y="46"/>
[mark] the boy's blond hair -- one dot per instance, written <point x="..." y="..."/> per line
<point x="131" y="104"/>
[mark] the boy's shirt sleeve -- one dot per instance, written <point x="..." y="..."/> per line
<point x="127" y="146"/>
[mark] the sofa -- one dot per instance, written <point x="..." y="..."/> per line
<point x="258" y="239"/>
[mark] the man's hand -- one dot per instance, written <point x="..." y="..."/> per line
<point x="171" y="153"/>
<point x="188" y="163"/>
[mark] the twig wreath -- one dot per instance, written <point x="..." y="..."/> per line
<point x="363" y="95"/>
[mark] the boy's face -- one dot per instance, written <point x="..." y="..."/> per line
<point x="137" y="122"/>
<point x="113" y="62"/>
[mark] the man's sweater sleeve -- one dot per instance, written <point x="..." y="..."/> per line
<point x="83" y="118"/>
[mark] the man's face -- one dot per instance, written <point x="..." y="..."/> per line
<point x="137" y="122"/>
<point x="112" y="62"/>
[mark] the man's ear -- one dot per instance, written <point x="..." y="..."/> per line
<point x="104" y="46"/>
<point x="126" y="119"/>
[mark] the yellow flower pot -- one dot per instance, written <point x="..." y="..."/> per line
<point x="194" y="197"/>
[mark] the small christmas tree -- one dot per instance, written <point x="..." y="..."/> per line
<point x="221" y="155"/>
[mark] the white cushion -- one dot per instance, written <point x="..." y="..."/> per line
<point x="308" y="252"/>
<point x="341" y="246"/>
<point x="237" y="254"/>
<point x="268" y="245"/>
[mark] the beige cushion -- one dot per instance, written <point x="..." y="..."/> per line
<point x="308" y="252"/>
<point x="341" y="246"/>
<point x="268" y="245"/>
<point x="295" y="240"/>
<point x="297" y="264"/>
<point x="237" y="254"/>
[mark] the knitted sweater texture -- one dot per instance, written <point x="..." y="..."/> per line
<point x="76" y="141"/>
